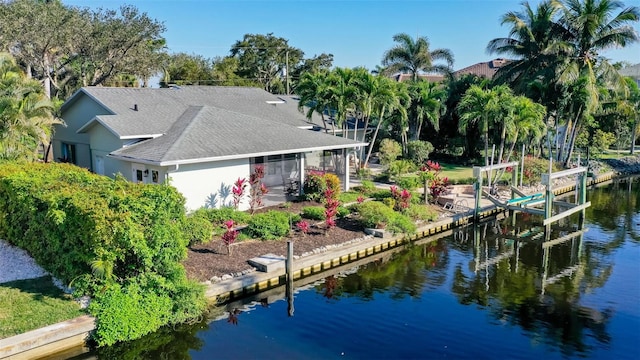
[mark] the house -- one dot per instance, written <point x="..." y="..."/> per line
<point x="201" y="138"/>
<point x="485" y="69"/>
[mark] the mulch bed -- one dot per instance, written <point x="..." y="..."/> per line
<point x="209" y="260"/>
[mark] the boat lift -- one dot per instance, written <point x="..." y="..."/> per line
<point x="527" y="203"/>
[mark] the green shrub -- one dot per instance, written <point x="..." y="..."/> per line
<point x="389" y="151"/>
<point x="219" y="216"/>
<point x="316" y="182"/>
<point x="419" y="150"/>
<point x="399" y="167"/>
<point x="313" y="212"/>
<point x="197" y="229"/>
<point x="343" y="212"/>
<point x="104" y="234"/>
<point x="374" y="214"/>
<point x="421" y="212"/>
<point x="390" y="202"/>
<point x="409" y="182"/>
<point x="381" y="194"/>
<point x="271" y="225"/>
<point x="401" y="224"/>
<point x="349" y="196"/>
<point x="363" y="173"/>
<point x="366" y="187"/>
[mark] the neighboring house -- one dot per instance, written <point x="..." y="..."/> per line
<point x="483" y="69"/>
<point x="201" y="138"/>
<point x="632" y="72"/>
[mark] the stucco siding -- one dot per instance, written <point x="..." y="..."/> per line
<point x="83" y="110"/>
<point x="209" y="184"/>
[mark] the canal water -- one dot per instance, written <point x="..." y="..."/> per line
<point x="502" y="290"/>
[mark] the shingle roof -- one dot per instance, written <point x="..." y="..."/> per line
<point x="157" y="109"/>
<point x="203" y="133"/>
<point x="484" y="69"/>
<point x="192" y="124"/>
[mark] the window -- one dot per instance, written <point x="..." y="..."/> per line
<point x="138" y="175"/>
<point x="154" y="176"/>
<point x="68" y="153"/>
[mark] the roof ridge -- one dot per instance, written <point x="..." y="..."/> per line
<point x="180" y="127"/>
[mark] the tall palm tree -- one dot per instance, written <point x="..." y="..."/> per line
<point x="26" y="114"/>
<point x="594" y="26"/>
<point x="391" y="99"/>
<point x="427" y="102"/>
<point x="415" y="57"/>
<point x="536" y="42"/>
<point x="341" y="95"/>
<point x="478" y="106"/>
<point x="312" y="90"/>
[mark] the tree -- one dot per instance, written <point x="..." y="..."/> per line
<point x="40" y="35"/>
<point x="592" y="28"/>
<point x="265" y="58"/>
<point x="427" y="102"/>
<point x="124" y="41"/>
<point x="26" y="114"/>
<point x="415" y="57"/>
<point x="477" y="106"/>
<point x="557" y="58"/>
<point x="312" y="91"/>
<point x="341" y="95"/>
<point x="185" y="69"/>
<point x="392" y="99"/>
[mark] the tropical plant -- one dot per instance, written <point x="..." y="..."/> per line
<point x="26" y="115"/>
<point x="414" y="56"/>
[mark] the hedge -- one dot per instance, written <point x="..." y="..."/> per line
<point x="106" y="238"/>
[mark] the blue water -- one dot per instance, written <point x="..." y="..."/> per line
<point x="433" y="301"/>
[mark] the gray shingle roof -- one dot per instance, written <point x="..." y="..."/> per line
<point x="203" y="133"/>
<point x="157" y="109"/>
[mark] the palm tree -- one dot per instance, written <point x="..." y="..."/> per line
<point x="390" y="99"/>
<point x="312" y="90"/>
<point x="593" y="27"/>
<point x="26" y="114"/>
<point x="536" y="42"/>
<point x="427" y="102"/>
<point x="341" y="95"/>
<point x="478" y="106"/>
<point x="415" y="57"/>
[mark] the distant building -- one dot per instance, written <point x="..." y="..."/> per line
<point x="483" y="69"/>
<point x="632" y="72"/>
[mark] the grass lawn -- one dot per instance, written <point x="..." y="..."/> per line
<point x="456" y="173"/>
<point x="31" y="304"/>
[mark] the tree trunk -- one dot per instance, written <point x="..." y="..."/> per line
<point x="324" y="122"/>
<point x="633" y="136"/>
<point x="373" y="139"/>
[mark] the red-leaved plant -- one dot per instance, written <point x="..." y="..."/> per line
<point x="230" y="235"/>
<point x="402" y="198"/>
<point x="238" y="190"/>
<point x="331" y="204"/>
<point x="303" y="226"/>
<point x="257" y="189"/>
<point x="360" y="199"/>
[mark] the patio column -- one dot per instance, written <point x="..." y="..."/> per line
<point x="346" y="169"/>
<point x="301" y="173"/>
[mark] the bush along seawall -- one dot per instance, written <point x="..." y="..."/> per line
<point x="133" y="240"/>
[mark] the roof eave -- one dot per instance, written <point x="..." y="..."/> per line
<point x="236" y="157"/>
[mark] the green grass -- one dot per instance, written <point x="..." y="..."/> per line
<point x="349" y="196"/>
<point x="32" y="304"/>
<point x="456" y="173"/>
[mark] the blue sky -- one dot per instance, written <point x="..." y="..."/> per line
<point x="356" y="32"/>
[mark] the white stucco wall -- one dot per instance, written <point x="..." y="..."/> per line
<point x="205" y="184"/>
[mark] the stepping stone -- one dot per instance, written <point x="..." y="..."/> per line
<point x="268" y="263"/>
